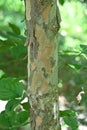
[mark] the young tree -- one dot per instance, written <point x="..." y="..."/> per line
<point x="43" y="23"/>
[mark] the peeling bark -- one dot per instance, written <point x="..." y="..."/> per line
<point x="43" y="22"/>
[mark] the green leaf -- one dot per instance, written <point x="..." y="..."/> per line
<point x="14" y="28"/>
<point x="67" y="113"/>
<point x="4" y="122"/>
<point x="17" y="119"/>
<point x="17" y="50"/>
<point x="75" y="66"/>
<point x="71" y="52"/>
<point x="69" y="117"/>
<point x="21" y="117"/>
<point x="12" y="104"/>
<point x="61" y="2"/>
<point x="71" y="122"/>
<point x="14" y="44"/>
<point x="84" y="49"/>
<point x="12" y="120"/>
<point x="1" y="73"/>
<point x="10" y="88"/>
<point x="13" y="37"/>
<point x="5" y="45"/>
<point x="25" y="106"/>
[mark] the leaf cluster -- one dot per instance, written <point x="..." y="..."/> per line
<point x="16" y="113"/>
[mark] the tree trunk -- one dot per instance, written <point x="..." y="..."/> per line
<point x="42" y="21"/>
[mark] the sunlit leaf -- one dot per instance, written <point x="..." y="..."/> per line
<point x="71" y="122"/>
<point x="75" y="66"/>
<point x="67" y="113"/>
<point x="71" y="52"/>
<point x="70" y="119"/>
<point x="1" y="73"/>
<point x="10" y="88"/>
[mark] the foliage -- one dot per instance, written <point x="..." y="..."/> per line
<point x="12" y="53"/>
<point x="12" y="120"/>
<point x="10" y="88"/>
<point x="12" y="50"/>
<point x="16" y="114"/>
<point x="69" y="117"/>
<point x="73" y="54"/>
<point x="72" y="48"/>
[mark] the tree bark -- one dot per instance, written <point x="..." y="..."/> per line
<point x="43" y="22"/>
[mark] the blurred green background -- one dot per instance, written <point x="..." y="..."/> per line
<point x="73" y="50"/>
<point x="13" y="54"/>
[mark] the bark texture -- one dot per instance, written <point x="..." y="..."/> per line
<point x="43" y="20"/>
